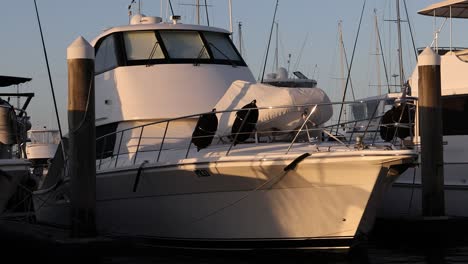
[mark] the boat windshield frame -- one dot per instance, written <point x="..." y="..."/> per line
<point x="208" y="53"/>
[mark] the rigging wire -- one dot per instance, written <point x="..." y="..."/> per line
<point x="206" y="11"/>
<point x="411" y="31"/>
<point x="269" y="41"/>
<point x="170" y="5"/>
<point x="300" y="52"/>
<point x="50" y="77"/>
<point x="383" y="57"/>
<point x="351" y="65"/>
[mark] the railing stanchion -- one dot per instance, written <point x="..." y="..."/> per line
<point x="138" y="145"/>
<point x="118" y="150"/>
<point x="300" y="129"/>
<point x="162" y="142"/>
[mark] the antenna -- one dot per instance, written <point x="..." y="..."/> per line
<point x="275" y="60"/>
<point x="240" y="37"/>
<point x="269" y="40"/>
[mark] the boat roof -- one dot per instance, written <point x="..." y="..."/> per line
<point x="12" y="80"/>
<point x="158" y="26"/>
<point x="459" y="9"/>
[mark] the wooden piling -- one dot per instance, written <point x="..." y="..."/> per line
<point x="430" y="125"/>
<point x="82" y="138"/>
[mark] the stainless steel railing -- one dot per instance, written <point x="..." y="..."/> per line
<point x="157" y="138"/>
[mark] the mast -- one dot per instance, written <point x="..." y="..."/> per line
<point x="377" y="53"/>
<point x="342" y="62"/>
<point x="198" y="12"/>
<point x="230" y="17"/>
<point x="400" y="54"/>
<point x="275" y="61"/>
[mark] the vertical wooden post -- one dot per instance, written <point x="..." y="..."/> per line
<point x="430" y="121"/>
<point x="82" y="137"/>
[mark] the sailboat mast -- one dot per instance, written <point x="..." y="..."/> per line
<point x="198" y="12"/>
<point x="230" y="17"/>
<point x="400" y="54"/>
<point x="377" y="53"/>
<point x="342" y="62"/>
<point x="276" y="49"/>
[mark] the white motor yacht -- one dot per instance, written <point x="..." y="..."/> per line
<point x="40" y="149"/>
<point x="191" y="152"/>
<point x="405" y="199"/>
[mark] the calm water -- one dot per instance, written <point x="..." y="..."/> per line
<point x="388" y="244"/>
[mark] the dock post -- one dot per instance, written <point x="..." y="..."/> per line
<point x="82" y="138"/>
<point x="430" y="121"/>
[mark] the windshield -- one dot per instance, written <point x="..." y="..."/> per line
<point x="221" y="47"/>
<point x="184" y="45"/>
<point x="139" y="45"/>
<point x="149" y="47"/>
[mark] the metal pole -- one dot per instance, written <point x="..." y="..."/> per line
<point x="82" y="138"/>
<point x="430" y="124"/>
<point x="230" y="17"/>
<point x="400" y="53"/>
<point x="198" y="12"/>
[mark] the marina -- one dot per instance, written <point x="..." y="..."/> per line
<point x="175" y="153"/>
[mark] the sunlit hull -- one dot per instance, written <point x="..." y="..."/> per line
<point x="245" y="198"/>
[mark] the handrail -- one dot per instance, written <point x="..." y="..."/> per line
<point x="352" y="129"/>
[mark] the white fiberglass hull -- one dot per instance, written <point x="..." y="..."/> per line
<point x="404" y="199"/>
<point x="12" y="171"/>
<point x="243" y="197"/>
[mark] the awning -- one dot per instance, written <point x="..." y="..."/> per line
<point x="12" y="80"/>
<point x="442" y="9"/>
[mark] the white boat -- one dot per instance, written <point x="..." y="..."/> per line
<point x="242" y="185"/>
<point x="40" y="149"/>
<point x="14" y="122"/>
<point x="281" y="78"/>
<point x="404" y="200"/>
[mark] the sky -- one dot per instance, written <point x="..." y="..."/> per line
<point x="308" y="30"/>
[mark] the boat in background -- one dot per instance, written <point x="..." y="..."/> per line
<point x="281" y="78"/>
<point x="405" y="197"/>
<point x="14" y="123"/>
<point x="192" y="153"/>
<point x="40" y="149"/>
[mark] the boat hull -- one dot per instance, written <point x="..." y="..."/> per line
<point x="404" y="199"/>
<point x="291" y="198"/>
<point x="12" y="172"/>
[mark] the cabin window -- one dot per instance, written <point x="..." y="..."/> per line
<point x="184" y="45"/>
<point x="455" y="115"/>
<point x="106" y="58"/>
<point x="221" y="46"/>
<point x="142" y="45"/>
<point x="45" y="137"/>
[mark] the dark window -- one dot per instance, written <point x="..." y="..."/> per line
<point x="106" y="55"/>
<point x="221" y="46"/>
<point x="178" y="46"/>
<point x="105" y="145"/>
<point x="455" y="114"/>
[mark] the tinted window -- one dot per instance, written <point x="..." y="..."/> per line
<point x="455" y="115"/>
<point x="184" y="45"/>
<point x="220" y="46"/>
<point x="106" y="58"/>
<point x="142" y="45"/>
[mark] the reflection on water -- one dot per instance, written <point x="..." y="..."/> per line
<point x="390" y="244"/>
<point x="375" y="252"/>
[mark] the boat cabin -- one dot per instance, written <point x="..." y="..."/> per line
<point x="151" y="70"/>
